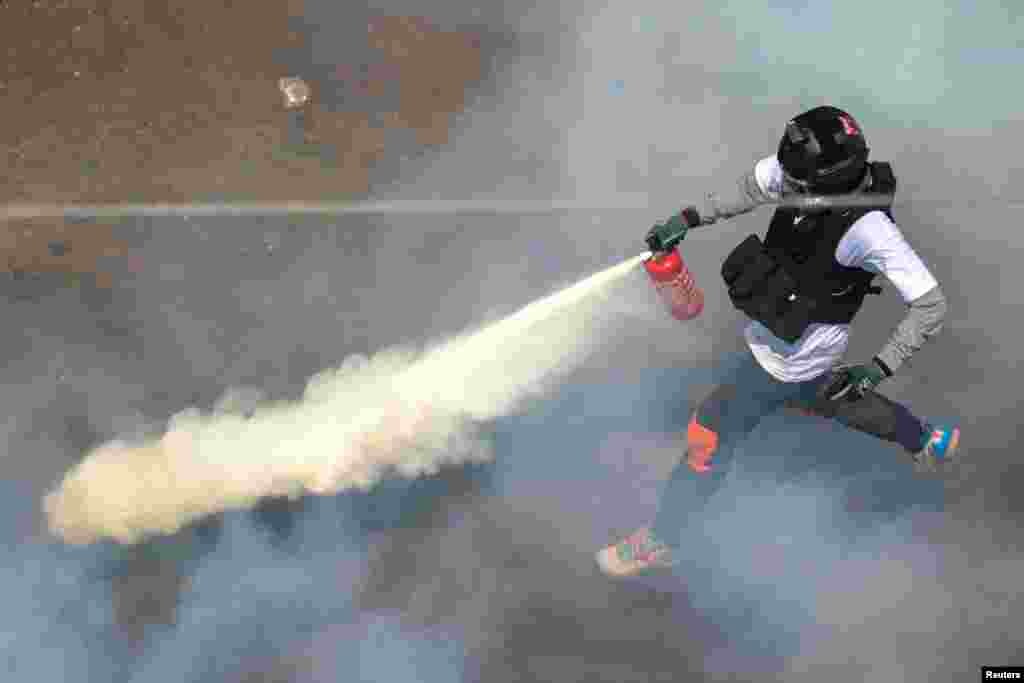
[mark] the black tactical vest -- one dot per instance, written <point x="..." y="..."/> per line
<point x="793" y="279"/>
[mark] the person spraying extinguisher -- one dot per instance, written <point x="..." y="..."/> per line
<point x="801" y="287"/>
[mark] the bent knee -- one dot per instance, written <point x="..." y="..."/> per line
<point x="701" y="443"/>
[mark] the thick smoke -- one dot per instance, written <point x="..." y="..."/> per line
<point x="400" y="411"/>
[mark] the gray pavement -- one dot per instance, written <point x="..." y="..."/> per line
<point x="831" y="561"/>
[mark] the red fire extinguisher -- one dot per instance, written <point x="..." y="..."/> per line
<point x="667" y="270"/>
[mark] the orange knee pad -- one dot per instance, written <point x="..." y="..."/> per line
<point x="701" y="443"/>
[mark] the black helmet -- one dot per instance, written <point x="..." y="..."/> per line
<point x="823" y="151"/>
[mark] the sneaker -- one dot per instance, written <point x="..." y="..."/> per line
<point x="940" y="449"/>
<point x="639" y="552"/>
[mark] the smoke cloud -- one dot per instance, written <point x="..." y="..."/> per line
<point x="399" y="411"/>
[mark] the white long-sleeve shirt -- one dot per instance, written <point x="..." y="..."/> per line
<point x="873" y="243"/>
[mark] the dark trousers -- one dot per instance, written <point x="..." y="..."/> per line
<point x="732" y="411"/>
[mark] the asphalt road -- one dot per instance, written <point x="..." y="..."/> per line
<point x="831" y="559"/>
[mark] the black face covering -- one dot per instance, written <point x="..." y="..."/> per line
<point x="848" y="185"/>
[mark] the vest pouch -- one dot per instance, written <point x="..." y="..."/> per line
<point x="764" y="299"/>
<point x="757" y="284"/>
<point x="736" y="261"/>
<point x="762" y="289"/>
<point x="771" y="299"/>
<point x="760" y="273"/>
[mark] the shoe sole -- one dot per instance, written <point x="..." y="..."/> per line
<point x="952" y="449"/>
<point x="949" y="460"/>
<point x="954" y="444"/>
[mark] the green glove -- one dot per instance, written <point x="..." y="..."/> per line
<point x="665" y="236"/>
<point x="852" y="382"/>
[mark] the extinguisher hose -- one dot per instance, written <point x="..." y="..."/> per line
<point x="821" y="202"/>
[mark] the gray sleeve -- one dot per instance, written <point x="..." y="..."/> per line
<point x="923" y="321"/>
<point x="743" y="197"/>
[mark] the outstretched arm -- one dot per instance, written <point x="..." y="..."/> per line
<point x="743" y="197"/>
<point x="759" y="186"/>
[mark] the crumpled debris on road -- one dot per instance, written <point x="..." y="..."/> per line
<point x="295" y="90"/>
